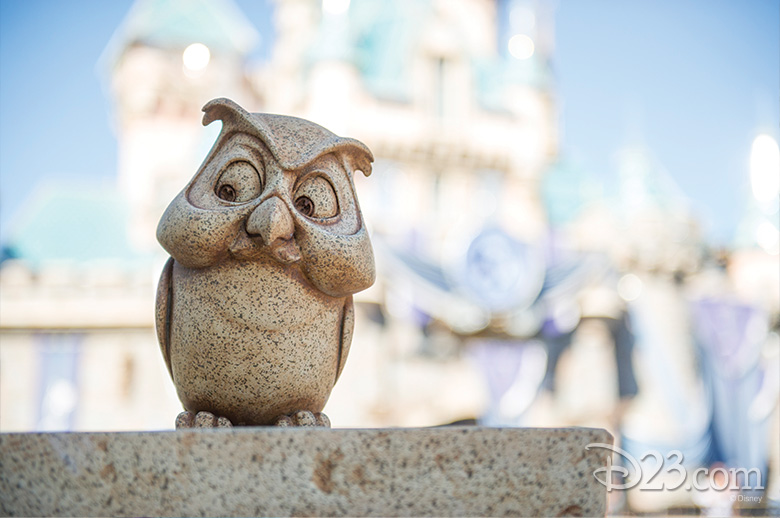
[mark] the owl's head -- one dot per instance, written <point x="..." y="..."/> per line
<point x="275" y="187"/>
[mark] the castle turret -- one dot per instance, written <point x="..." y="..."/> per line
<point x="164" y="62"/>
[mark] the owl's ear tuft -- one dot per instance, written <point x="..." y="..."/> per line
<point x="360" y="157"/>
<point x="223" y="109"/>
<point x="363" y="163"/>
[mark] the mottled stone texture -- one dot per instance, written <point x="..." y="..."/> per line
<point x="305" y="472"/>
<point x="268" y="245"/>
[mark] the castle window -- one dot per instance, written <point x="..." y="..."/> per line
<point x="440" y="80"/>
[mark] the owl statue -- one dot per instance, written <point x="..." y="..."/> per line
<point x="254" y="308"/>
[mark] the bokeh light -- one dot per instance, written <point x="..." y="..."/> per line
<point x="196" y="57"/>
<point x="335" y="6"/>
<point x="629" y="287"/>
<point x="521" y="46"/>
<point x="765" y="168"/>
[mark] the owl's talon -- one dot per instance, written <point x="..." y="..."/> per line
<point x="201" y="420"/>
<point x="303" y="418"/>
<point x="284" y="421"/>
<point x="185" y="420"/>
<point x="205" y="420"/>
<point x="322" y="420"/>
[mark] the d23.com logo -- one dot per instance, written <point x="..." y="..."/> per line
<point x="605" y="474"/>
<point x="632" y="474"/>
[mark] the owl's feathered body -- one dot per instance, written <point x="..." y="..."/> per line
<point x="253" y="338"/>
<point x="254" y="310"/>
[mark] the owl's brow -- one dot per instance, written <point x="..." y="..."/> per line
<point x="240" y="152"/>
<point x="254" y="150"/>
<point x="312" y="168"/>
<point x="246" y="142"/>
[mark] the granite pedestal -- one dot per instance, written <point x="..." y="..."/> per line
<point x="450" y="471"/>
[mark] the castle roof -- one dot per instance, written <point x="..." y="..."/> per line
<point x="175" y="24"/>
<point x="74" y="223"/>
<point x="379" y="38"/>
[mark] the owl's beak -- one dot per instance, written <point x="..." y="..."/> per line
<point x="272" y="221"/>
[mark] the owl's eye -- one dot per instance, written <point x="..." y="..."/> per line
<point x="315" y="198"/>
<point x="227" y="193"/>
<point x="305" y="206"/>
<point x="239" y="182"/>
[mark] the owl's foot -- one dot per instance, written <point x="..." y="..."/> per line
<point x="303" y="418"/>
<point x="201" y="420"/>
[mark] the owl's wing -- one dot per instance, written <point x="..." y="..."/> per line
<point x="347" y="326"/>
<point x="163" y="307"/>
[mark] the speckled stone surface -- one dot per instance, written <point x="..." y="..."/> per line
<point x="268" y="245"/>
<point x="305" y="472"/>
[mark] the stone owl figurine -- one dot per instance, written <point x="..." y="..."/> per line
<point x="254" y="308"/>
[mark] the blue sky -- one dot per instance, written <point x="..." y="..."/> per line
<point x="694" y="81"/>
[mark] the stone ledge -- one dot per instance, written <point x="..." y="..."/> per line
<point x="451" y="471"/>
